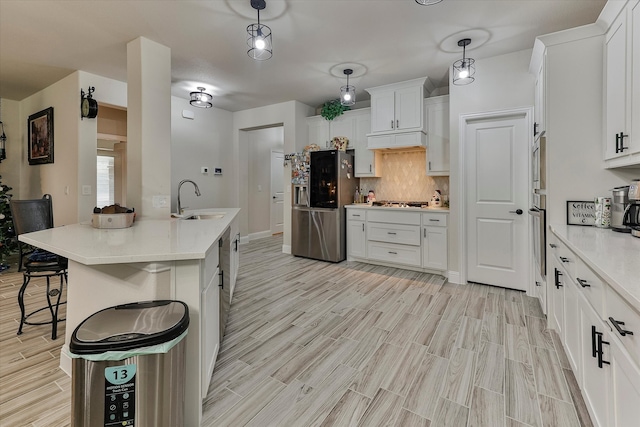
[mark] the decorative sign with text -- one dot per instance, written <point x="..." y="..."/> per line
<point x="581" y="213"/>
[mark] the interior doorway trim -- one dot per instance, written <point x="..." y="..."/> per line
<point x="466" y="119"/>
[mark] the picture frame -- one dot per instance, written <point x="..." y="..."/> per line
<point x="581" y="212"/>
<point x="40" y="137"/>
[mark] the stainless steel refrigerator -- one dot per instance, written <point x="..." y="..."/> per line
<point x="318" y="217"/>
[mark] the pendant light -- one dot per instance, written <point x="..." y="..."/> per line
<point x="464" y="69"/>
<point x="348" y="92"/>
<point x="428" y="2"/>
<point x="259" y="41"/>
<point x="201" y="99"/>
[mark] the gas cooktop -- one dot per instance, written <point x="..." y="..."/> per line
<point x="396" y="204"/>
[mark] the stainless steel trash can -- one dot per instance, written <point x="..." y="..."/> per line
<point x="128" y="366"/>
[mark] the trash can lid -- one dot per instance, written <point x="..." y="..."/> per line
<point x="129" y="326"/>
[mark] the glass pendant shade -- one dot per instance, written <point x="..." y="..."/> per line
<point x="464" y="69"/>
<point x="428" y="2"/>
<point x="201" y="99"/>
<point x="348" y="92"/>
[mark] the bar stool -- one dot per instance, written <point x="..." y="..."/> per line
<point x="35" y="215"/>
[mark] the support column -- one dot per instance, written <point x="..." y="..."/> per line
<point x="149" y="128"/>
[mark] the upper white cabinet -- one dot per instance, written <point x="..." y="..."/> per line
<point x="539" y="121"/>
<point x="355" y="125"/>
<point x="397" y="109"/>
<point x="622" y="88"/>
<point x="437" y="119"/>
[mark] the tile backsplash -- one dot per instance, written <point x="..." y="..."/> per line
<point x="404" y="178"/>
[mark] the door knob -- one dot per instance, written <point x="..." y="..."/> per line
<point x="517" y="211"/>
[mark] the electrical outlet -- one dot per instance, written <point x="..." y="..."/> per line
<point x="204" y="169"/>
<point x="86" y="190"/>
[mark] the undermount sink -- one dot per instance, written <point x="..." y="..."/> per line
<point x="206" y="215"/>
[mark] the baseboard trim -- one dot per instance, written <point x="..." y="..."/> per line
<point x="454" y="277"/>
<point x="65" y="361"/>
<point x="286" y="249"/>
<point x="260" y="235"/>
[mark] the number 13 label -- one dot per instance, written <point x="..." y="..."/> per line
<point x="122" y="374"/>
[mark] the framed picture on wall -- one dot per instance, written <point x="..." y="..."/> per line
<point x="40" y="142"/>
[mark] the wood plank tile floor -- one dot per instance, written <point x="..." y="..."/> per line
<point x="310" y="343"/>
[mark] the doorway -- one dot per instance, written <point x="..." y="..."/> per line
<point x="111" y="157"/>
<point x="265" y="169"/>
<point x="495" y="228"/>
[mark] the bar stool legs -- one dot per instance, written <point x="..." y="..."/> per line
<point x="53" y="302"/>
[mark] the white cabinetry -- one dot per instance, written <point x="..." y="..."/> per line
<point x="437" y="119"/>
<point x="539" y="100"/>
<point x="621" y="84"/>
<point x="600" y="332"/>
<point x="355" y="125"/>
<point x="398" y="237"/>
<point x="435" y="244"/>
<point x="356" y="233"/>
<point x="397" y="109"/>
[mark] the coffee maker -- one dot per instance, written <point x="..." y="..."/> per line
<point x="619" y="203"/>
<point x="631" y="215"/>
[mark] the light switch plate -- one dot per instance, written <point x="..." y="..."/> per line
<point x="160" y="201"/>
<point x="86" y="190"/>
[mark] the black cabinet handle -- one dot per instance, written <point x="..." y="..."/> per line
<point x="601" y="361"/>
<point x="617" y="143"/>
<point x="553" y="245"/>
<point x="583" y="283"/>
<point x="391" y="232"/>
<point x="221" y="279"/>
<point x="363" y="226"/>
<point x="538" y="283"/>
<point x="594" y="349"/>
<point x="563" y="259"/>
<point x="616" y="324"/>
<point x="535" y="129"/>
<point x="558" y="274"/>
<point x="620" y="142"/>
<point x="393" y="253"/>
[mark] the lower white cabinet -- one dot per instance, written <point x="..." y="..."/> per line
<point x="600" y="334"/>
<point x="210" y="333"/>
<point x="406" y="238"/>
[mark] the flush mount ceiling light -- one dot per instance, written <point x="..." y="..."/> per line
<point x="259" y="41"/>
<point x="427" y="2"/>
<point x="464" y="69"/>
<point x="348" y="92"/>
<point x="201" y="99"/>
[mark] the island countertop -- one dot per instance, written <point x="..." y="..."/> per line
<point x="148" y="240"/>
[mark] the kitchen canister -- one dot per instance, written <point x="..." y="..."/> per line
<point x="603" y="212"/>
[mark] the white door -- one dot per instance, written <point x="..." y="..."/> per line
<point x="277" y="192"/>
<point x="496" y="159"/>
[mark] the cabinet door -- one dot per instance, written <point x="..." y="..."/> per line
<point x="438" y="139"/>
<point x="318" y="131"/>
<point x="356" y="242"/>
<point x="381" y="141"/>
<point x="594" y="380"/>
<point x="365" y="159"/>
<point x="210" y="334"/>
<point x="383" y="111"/>
<point x="557" y="298"/>
<point x="538" y="111"/>
<point x="408" y="111"/>
<point x="625" y="410"/>
<point x="572" y="343"/>
<point x="616" y="85"/>
<point x="343" y="126"/>
<point x="434" y="248"/>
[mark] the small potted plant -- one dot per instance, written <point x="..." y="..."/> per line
<point x="332" y="109"/>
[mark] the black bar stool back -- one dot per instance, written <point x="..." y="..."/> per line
<point x="29" y="216"/>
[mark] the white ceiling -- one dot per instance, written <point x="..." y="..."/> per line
<point x="42" y="41"/>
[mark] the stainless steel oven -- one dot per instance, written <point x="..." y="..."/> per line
<point x="538" y="202"/>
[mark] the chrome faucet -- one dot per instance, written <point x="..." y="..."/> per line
<point x="180" y="208"/>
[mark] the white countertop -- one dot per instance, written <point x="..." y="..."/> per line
<point x="368" y="206"/>
<point x="148" y="240"/>
<point x="613" y="256"/>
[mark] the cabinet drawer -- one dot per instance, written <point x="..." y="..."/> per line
<point x="397" y="254"/>
<point x="591" y="285"/>
<point x="394" y="217"/>
<point x="565" y="257"/>
<point x="357" y="214"/>
<point x="394" y="233"/>
<point x="618" y="309"/>
<point x="434" y="219"/>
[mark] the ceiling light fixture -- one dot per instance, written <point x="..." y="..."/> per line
<point x="428" y="2"/>
<point x="201" y="99"/>
<point x="348" y="92"/>
<point x="259" y="41"/>
<point x="464" y="69"/>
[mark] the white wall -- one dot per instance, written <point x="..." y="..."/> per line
<point x="260" y="143"/>
<point x="204" y="141"/>
<point x="11" y="167"/>
<point x="502" y="82"/>
<point x="291" y="115"/>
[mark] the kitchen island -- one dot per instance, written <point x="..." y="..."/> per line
<point x="154" y="259"/>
